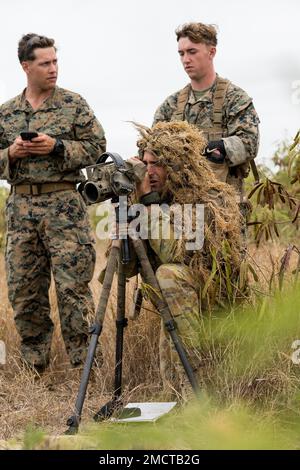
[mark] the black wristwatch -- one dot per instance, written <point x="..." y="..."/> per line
<point x="58" y="148"/>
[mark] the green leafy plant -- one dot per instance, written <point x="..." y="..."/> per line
<point x="275" y="201"/>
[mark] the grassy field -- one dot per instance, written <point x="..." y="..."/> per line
<point x="249" y="382"/>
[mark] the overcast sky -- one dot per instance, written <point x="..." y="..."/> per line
<point x="122" y="57"/>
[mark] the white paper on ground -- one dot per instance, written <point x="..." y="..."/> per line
<point x="150" y="411"/>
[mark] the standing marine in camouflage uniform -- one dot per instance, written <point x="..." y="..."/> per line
<point x="223" y="111"/>
<point x="177" y="173"/>
<point x="48" y="228"/>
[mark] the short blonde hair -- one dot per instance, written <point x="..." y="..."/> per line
<point x="198" y="33"/>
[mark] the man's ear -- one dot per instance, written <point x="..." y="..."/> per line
<point x="25" y="66"/>
<point x="212" y="52"/>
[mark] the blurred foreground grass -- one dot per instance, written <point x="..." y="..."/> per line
<point x="200" y="425"/>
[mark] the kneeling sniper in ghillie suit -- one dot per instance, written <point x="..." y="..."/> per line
<point x="191" y="281"/>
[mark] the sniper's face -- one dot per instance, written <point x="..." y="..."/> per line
<point x="156" y="172"/>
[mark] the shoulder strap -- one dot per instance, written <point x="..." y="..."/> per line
<point x="181" y="102"/>
<point x="218" y="100"/>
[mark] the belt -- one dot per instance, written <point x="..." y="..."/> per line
<point x="41" y="188"/>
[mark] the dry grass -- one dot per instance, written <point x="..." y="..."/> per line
<point x="266" y="260"/>
<point x="47" y="401"/>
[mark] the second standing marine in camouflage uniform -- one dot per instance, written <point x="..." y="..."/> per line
<point x="48" y="229"/>
<point x="223" y="111"/>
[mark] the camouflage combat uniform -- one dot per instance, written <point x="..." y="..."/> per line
<point x="48" y="228"/>
<point x="224" y="112"/>
<point x="180" y="292"/>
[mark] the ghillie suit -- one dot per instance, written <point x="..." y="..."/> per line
<point x="215" y="269"/>
<point x="191" y="281"/>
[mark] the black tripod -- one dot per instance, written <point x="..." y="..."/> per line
<point x="120" y="255"/>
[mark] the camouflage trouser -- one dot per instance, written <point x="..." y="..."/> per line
<point x="178" y="288"/>
<point x="49" y="233"/>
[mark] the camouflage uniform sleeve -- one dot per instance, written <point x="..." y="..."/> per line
<point x="165" y="111"/>
<point x="4" y="159"/>
<point x="242" y="124"/>
<point x="89" y="141"/>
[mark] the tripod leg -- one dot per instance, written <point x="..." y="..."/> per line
<point x="121" y="322"/>
<point x="73" y="421"/>
<point x="161" y="305"/>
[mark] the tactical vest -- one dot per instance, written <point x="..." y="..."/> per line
<point x="216" y="132"/>
<point x="234" y="175"/>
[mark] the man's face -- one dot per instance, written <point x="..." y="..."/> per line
<point x="42" y="71"/>
<point x="196" y="58"/>
<point x="157" y="173"/>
